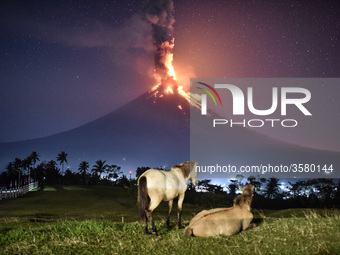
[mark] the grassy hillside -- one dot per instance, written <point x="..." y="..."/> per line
<point x="88" y="220"/>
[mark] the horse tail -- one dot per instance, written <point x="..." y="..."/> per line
<point x="142" y="198"/>
<point x="188" y="231"/>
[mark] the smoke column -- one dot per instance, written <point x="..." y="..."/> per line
<point x="159" y="13"/>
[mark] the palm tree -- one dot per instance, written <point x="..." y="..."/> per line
<point x="18" y="168"/>
<point x="272" y="189"/>
<point x="83" y="167"/>
<point x="10" y="169"/>
<point x="99" y="167"/>
<point x="62" y="158"/>
<point x="26" y="164"/>
<point x="35" y="157"/>
<point x="52" y="172"/>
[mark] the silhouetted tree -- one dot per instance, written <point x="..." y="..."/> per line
<point x="203" y="184"/>
<point x="123" y="181"/>
<point x="232" y="187"/>
<point x="337" y="193"/>
<point x="11" y="173"/>
<point x="141" y="170"/>
<point x="83" y="167"/>
<point x="62" y="158"/>
<point x="296" y="188"/>
<point x="217" y="189"/>
<point x="239" y="178"/>
<point x="41" y="172"/>
<point x="26" y="164"/>
<point x="18" y="168"/>
<point x="35" y="157"/>
<point x="99" y="168"/>
<point x="52" y="172"/>
<point x="326" y="189"/>
<point x="272" y="188"/>
<point x="69" y="177"/>
<point x="113" y="172"/>
<point x="256" y="183"/>
<point x="4" y="179"/>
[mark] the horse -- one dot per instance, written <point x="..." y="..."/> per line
<point x="155" y="186"/>
<point x="224" y="221"/>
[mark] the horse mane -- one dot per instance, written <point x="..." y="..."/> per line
<point x="242" y="200"/>
<point x="184" y="167"/>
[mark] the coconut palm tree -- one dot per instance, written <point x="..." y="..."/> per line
<point x="10" y="169"/>
<point x="272" y="188"/>
<point x="35" y="157"/>
<point x="99" y="168"/>
<point x="52" y="172"/>
<point x="26" y="164"/>
<point x="62" y="158"/>
<point x="18" y="168"/>
<point x="83" y="167"/>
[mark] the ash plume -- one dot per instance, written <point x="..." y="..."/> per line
<point x="160" y="14"/>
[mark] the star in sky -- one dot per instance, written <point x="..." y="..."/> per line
<point x="66" y="63"/>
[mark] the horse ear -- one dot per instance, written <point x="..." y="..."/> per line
<point x="240" y="187"/>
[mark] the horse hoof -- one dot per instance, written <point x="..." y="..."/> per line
<point x="155" y="233"/>
<point x="180" y="227"/>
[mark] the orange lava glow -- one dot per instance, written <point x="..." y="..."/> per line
<point x="169" y="90"/>
<point x="169" y="82"/>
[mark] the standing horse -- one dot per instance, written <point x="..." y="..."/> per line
<point x="155" y="186"/>
<point x="224" y="221"/>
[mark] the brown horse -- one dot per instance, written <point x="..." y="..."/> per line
<point x="224" y="221"/>
<point x="155" y="186"/>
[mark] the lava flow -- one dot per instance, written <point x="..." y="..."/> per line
<point x="165" y="74"/>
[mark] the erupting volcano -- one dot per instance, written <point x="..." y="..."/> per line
<point x="151" y="130"/>
<point x="154" y="129"/>
<point x="160" y="15"/>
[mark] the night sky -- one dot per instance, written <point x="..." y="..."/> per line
<point x="65" y="63"/>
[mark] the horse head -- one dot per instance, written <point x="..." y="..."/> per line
<point x="193" y="173"/>
<point x="189" y="171"/>
<point x="245" y="199"/>
<point x="247" y="189"/>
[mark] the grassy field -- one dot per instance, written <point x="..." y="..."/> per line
<point x="88" y="220"/>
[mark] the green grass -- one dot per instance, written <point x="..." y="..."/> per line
<point x="87" y="220"/>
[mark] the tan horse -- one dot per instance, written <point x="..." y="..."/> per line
<point x="155" y="186"/>
<point x="224" y="221"/>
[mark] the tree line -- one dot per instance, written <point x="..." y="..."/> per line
<point x="22" y="171"/>
<point x="267" y="192"/>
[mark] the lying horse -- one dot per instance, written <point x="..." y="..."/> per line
<point x="224" y="221"/>
<point x="161" y="186"/>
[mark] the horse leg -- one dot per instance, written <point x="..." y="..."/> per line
<point x="146" y="231"/>
<point x="179" y="213"/>
<point x="169" y="212"/>
<point x="154" y="229"/>
<point x="152" y="206"/>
